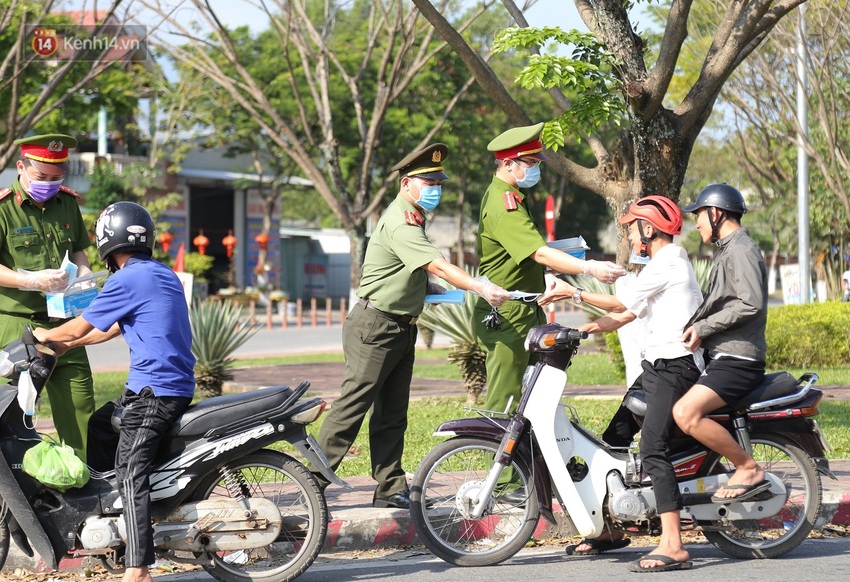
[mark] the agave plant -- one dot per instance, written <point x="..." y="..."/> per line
<point x="217" y="332"/>
<point x="702" y="269"/>
<point x="455" y="321"/>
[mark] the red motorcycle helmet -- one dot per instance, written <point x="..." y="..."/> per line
<point x="660" y="212"/>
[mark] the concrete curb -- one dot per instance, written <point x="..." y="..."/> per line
<point x="365" y="529"/>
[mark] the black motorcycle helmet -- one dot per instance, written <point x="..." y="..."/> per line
<point x="725" y="198"/>
<point x="722" y="196"/>
<point x="124" y="227"/>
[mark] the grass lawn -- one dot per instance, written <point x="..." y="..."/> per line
<point x="425" y="415"/>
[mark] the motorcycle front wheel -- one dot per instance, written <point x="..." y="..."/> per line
<point x="444" y="490"/>
<point x="777" y="535"/>
<point x="289" y="485"/>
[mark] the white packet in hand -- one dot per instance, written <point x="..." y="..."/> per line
<point x="70" y="268"/>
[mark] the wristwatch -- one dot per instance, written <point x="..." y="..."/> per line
<point x="577" y="294"/>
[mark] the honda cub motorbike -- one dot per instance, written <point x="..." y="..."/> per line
<point x="219" y="498"/>
<point x="476" y="498"/>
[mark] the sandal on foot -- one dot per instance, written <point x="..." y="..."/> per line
<point x="597" y="546"/>
<point x="667" y="564"/>
<point x="747" y="492"/>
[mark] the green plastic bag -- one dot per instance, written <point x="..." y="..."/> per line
<point x="55" y="465"/>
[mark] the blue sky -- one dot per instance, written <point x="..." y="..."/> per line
<point x="561" y="13"/>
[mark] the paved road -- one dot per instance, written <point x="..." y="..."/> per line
<point x="822" y="560"/>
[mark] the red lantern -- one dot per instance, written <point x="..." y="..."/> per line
<point x="229" y="243"/>
<point x="165" y="241"/>
<point x="201" y="242"/>
<point x="262" y="240"/>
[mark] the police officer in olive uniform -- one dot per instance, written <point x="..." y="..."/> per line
<point x="514" y="255"/>
<point x="379" y="333"/>
<point x="40" y="221"/>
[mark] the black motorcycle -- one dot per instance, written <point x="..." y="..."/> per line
<point x="219" y="498"/>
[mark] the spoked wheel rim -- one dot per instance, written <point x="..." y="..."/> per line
<point x="778" y="534"/>
<point x="446" y="492"/>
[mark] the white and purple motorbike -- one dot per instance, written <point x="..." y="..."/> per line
<point x="476" y="498"/>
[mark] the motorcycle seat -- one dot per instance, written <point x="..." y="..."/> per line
<point x="221" y="411"/>
<point x="774" y="385"/>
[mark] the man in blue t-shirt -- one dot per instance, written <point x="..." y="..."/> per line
<point x="144" y="301"/>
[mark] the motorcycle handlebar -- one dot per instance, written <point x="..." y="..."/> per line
<point x="545" y="337"/>
<point x="574" y="335"/>
<point x="40" y="369"/>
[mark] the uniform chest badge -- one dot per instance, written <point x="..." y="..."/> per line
<point x="413" y="218"/>
<point x="512" y="201"/>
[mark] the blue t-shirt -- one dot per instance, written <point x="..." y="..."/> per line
<point x="145" y="298"/>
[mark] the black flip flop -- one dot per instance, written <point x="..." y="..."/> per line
<point x="668" y="564"/>
<point x="749" y="491"/>
<point x="597" y="546"/>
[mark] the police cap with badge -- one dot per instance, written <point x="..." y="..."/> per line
<point x="519" y="142"/>
<point x="47" y="153"/>
<point x="425" y="163"/>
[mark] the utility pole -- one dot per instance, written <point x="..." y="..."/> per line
<point x="803" y="164"/>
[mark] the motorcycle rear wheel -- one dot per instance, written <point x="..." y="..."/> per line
<point x="441" y="493"/>
<point x="777" y="535"/>
<point x="286" y="482"/>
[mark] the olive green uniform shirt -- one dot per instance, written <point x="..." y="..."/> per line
<point x="379" y="350"/>
<point x="507" y="237"/>
<point x="393" y="278"/>
<point x="34" y="239"/>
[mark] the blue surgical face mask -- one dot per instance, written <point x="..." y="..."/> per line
<point x="532" y="177"/>
<point x="429" y="196"/>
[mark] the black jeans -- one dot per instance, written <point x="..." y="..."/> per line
<point x="145" y="420"/>
<point x="663" y="383"/>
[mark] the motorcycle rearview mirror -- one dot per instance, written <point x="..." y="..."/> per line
<point x="28" y="339"/>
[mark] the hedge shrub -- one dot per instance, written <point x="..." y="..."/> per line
<point x="816" y="335"/>
<point x="813" y="335"/>
<point x="612" y="343"/>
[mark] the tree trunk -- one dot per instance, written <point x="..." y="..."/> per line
<point x="357" y="236"/>
<point x="650" y="159"/>
<point x="461" y="251"/>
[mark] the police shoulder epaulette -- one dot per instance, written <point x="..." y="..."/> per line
<point x="413" y="218"/>
<point x="71" y="191"/>
<point x="512" y="200"/>
<point x="5" y="192"/>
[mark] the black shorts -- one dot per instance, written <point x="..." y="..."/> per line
<point x="732" y="378"/>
